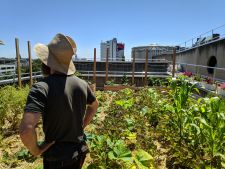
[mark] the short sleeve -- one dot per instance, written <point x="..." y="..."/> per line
<point x="36" y="99"/>
<point x="90" y="96"/>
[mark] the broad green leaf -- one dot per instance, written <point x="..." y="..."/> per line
<point x="143" y="159"/>
<point x="120" y="152"/>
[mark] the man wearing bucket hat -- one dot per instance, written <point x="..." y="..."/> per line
<point x="66" y="105"/>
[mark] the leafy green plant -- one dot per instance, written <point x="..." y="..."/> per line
<point x="12" y="102"/>
<point x="143" y="160"/>
<point x="181" y="90"/>
<point x="110" y="83"/>
<point x="211" y="125"/>
<point x="125" y="80"/>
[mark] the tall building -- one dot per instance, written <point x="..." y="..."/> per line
<point x="115" y="50"/>
<point x="153" y="50"/>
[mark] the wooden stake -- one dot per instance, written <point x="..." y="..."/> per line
<point x="30" y="63"/>
<point x="146" y="67"/>
<point x="133" y="67"/>
<point x="18" y="62"/>
<point x="106" y="65"/>
<point x="94" y="77"/>
<point x="174" y="62"/>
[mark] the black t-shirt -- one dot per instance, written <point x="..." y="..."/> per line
<point x="62" y="102"/>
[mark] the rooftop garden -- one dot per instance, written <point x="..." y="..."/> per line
<point x="145" y="128"/>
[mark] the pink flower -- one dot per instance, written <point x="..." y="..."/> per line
<point x="222" y="86"/>
<point x="189" y="74"/>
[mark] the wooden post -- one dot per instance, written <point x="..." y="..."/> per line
<point x="30" y="63"/>
<point x="174" y="62"/>
<point x="106" y="64"/>
<point x="146" y="67"/>
<point x="94" y="77"/>
<point x="18" y="62"/>
<point x="133" y="67"/>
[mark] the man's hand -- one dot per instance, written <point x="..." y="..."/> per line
<point x="40" y="149"/>
<point x="29" y="136"/>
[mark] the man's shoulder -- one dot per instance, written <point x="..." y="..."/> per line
<point x="79" y="80"/>
<point x="41" y="86"/>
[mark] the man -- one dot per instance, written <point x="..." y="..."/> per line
<point x="66" y="105"/>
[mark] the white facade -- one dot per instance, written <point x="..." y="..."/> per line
<point x="114" y="53"/>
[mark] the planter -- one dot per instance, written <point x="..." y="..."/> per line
<point x="117" y="87"/>
<point x="208" y="86"/>
<point x="221" y="91"/>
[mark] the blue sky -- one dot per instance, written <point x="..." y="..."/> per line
<point x="88" y="22"/>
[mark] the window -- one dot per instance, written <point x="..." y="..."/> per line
<point x="212" y="62"/>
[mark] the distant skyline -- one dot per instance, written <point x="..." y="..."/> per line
<point x="88" y="22"/>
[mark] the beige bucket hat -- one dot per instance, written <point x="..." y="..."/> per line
<point x="58" y="54"/>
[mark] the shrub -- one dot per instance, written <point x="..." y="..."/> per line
<point x="12" y="101"/>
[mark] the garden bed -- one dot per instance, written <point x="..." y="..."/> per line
<point x="117" y="87"/>
<point x="143" y="129"/>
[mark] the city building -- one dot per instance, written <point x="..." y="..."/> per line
<point x="115" y="50"/>
<point x="153" y="50"/>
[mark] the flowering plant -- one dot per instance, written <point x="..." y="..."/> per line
<point x="208" y="80"/>
<point x="198" y="78"/>
<point x="189" y="74"/>
<point x="222" y="86"/>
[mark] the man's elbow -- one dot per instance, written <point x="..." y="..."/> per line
<point x="96" y="103"/>
<point x="25" y="130"/>
<point x="93" y="106"/>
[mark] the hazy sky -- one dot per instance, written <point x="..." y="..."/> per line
<point x="88" y="22"/>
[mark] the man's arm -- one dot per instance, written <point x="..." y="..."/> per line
<point x="29" y="136"/>
<point x="90" y="112"/>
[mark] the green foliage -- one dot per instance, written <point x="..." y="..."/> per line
<point x="125" y="80"/>
<point x="128" y="123"/>
<point x="12" y="102"/>
<point x="110" y="83"/>
<point x="39" y="167"/>
<point x="24" y="154"/>
<point x="120" y="152"/>
<point x="195" y="129"/>
<point x="143" y="159"/>
<point x="156" y="81"/>
<point x="36" y="65"/>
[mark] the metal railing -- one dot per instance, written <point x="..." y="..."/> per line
<point x="13" y="78"/>
<point x="208" y="37"/>
<point x="202" y="39"/>
<point x="216" y="74"/>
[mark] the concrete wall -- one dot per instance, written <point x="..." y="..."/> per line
<point x="201" y="56"/>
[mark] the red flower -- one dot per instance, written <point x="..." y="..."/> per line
<point x="208" y="80"/>
<point x="189" y="74"/>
